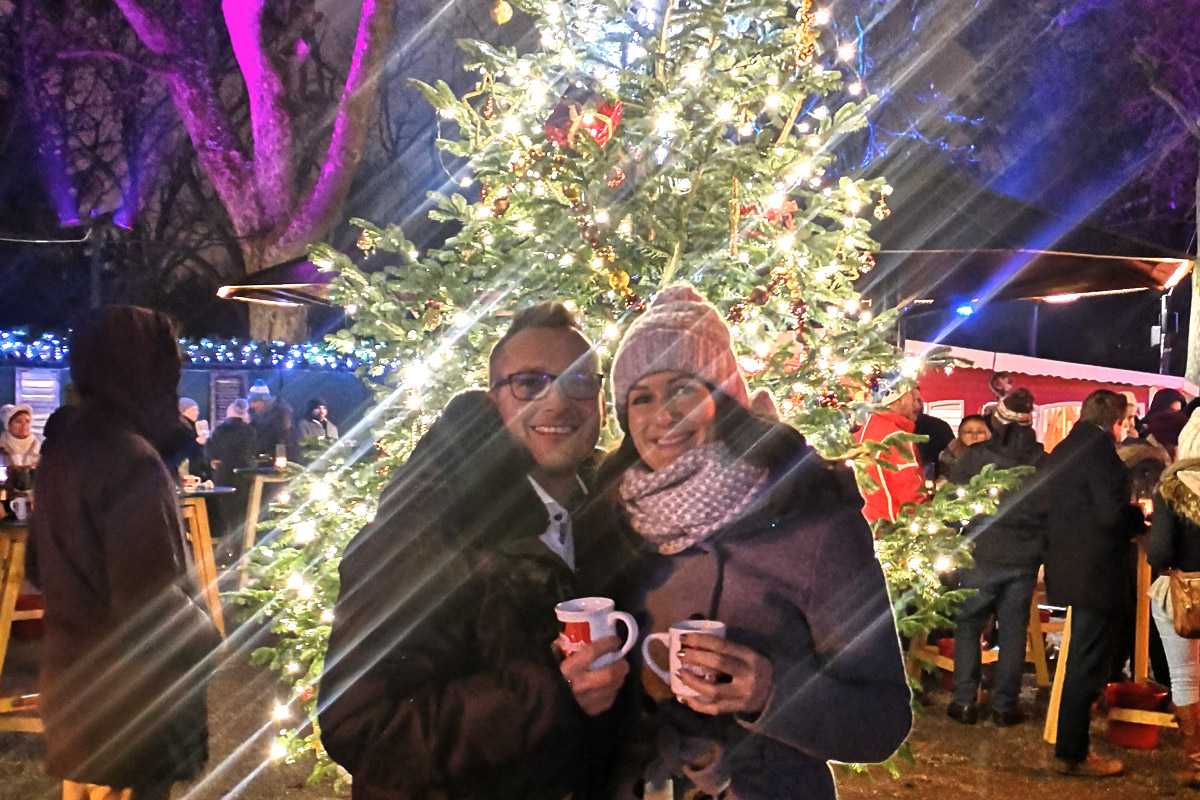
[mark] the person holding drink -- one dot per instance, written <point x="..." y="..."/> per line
<point x="759" y="580"/>
<point x="448" y="674"/>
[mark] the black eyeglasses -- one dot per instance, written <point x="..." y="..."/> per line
<point x="534" y="385"/>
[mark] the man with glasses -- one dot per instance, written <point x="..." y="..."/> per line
<point x="440" y="679"/>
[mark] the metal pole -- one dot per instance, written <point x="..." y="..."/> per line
<point x="96" y="240"/>
<point x="1165" y="334"/>
<point x="1033" y="328"/>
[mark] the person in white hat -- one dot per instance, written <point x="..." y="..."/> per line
<point x="21" y="447"/>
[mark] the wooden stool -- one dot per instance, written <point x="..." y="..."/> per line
<point x="258" y="477"/>
<point x="195" y="520"/>
<point x="17" y="714"/>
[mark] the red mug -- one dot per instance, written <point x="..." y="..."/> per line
<point x="587" y="619"/>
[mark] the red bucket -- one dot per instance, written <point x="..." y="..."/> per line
<point x="28" y="628"/>
<point x="1141" y="697"/>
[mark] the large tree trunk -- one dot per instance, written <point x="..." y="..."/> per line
<point x="270" y="323"/>
<point x="278" y="323"/>
<point x="256" y="180"/>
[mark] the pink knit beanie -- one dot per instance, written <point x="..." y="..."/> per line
<point x="679" y="331"/>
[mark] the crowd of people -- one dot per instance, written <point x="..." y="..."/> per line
<point x="711" y="525"/>
<point x="1079" y="516"/>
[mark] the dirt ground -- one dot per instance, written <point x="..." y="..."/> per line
<point x="953" y="761"/>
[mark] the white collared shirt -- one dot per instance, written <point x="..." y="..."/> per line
<point x="559" y="535"/>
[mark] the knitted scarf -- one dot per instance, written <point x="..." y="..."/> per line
<point x="691" y="498"/>
<point x="21" y="452"/>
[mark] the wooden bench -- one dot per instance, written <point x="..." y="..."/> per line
<point x="1035" y="648"/>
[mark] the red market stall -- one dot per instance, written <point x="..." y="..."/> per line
<point x="1058" y="386"/>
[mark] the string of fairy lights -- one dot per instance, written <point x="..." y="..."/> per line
<point x="20" y="348"/>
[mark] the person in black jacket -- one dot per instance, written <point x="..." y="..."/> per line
<point x="1175" y="544"/>
<point x="440" y="678"/>
<point x="1091" y="520"/>
<point x="1008" y="553"/>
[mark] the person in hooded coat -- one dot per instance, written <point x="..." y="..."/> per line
<point x="1008" y="552"/>
<point x="127" y="650"/>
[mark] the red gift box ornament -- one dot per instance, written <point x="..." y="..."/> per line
<point x="581" y="109"/>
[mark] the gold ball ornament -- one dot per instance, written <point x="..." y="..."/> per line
<point x="502" y="12"/>
<point x="432" y="317"/>
<point x="367" y="242"/>
<point x="619" y="281"/>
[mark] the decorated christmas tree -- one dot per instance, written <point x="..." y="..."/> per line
<point x="638" y="146"/>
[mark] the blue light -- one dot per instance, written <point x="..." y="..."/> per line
<point x="965" y="310"/>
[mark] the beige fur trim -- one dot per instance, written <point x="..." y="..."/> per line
<point x="1180" y="488"/>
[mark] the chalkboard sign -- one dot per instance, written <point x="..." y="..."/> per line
<point x="223" y="389"/>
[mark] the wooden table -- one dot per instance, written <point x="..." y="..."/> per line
<point x="17" y="714"/>
<point x="259" y="476"/>
<point x="195" y="518"/>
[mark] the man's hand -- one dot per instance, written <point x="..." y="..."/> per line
<point x="751" y="676"/>
<point x="595" y="689"/>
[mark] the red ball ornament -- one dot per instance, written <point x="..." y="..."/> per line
<point x="582" y="109"/>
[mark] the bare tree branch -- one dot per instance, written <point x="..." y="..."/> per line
<point x="113" y="55"/>
<point x="320" y="207"/>
<point x="270" y="123"/>
<point x="1151" y="71"/>
<point x="217" y="146"/>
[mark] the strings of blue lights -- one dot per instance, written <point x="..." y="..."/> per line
<point x="19" y="348"/>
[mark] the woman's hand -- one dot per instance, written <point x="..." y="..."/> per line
<point x="751" y="676"/>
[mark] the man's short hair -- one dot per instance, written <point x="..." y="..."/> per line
<point x="548" y="315"/>
<point x="1103" y="408"/>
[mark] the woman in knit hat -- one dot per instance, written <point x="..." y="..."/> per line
<point x="741" y="522"/>
<point x="1175" y="544"/>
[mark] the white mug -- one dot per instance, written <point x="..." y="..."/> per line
<point x="587" y="619"/>
<point x="671" y="640"/>
<point x="20" y="507"/>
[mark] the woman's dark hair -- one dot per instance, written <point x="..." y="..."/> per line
<point x="972" y="418"/>
<point x="759" y="441"/>
<point x="1163" y="399"/>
